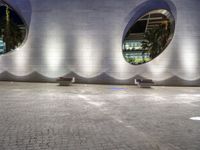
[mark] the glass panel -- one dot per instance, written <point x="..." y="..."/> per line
<point x="12" y="29"/>
<point x="148" y="37"/>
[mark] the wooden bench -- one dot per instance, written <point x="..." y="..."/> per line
<point x="144" y="83"/>
<point x="65" y="81"/>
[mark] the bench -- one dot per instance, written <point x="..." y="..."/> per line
<point x="144" y="83"/>
<point x="65" y="81"/>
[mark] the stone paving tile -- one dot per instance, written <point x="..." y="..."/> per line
<point x="41" y="116"/>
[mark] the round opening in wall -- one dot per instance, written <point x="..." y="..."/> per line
<point x="12" y="29"/>
<point x="148" y="36"/>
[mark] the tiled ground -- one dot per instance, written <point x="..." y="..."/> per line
<point x="39" y="116"/>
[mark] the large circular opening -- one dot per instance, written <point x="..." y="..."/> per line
<point x="148" y="37"/>
<point x="12" y="29"/>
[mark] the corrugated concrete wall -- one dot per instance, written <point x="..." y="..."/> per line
<point x="83" y="38"/>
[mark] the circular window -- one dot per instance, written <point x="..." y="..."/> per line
<point x="12" y="29"/>
<point x="148" y="36"/>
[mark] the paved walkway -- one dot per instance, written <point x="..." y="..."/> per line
<point x="35" y="116"/>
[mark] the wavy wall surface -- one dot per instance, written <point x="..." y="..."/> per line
<point x="84" y="39"/>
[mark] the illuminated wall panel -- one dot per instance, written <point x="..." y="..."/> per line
<point x="84" y="39"/>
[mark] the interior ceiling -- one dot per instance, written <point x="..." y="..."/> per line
<point x="148" y="21"/>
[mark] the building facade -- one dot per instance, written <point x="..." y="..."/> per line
<point x="84" y="39"/>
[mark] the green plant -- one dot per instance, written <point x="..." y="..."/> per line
<point x="156" y="39"/>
